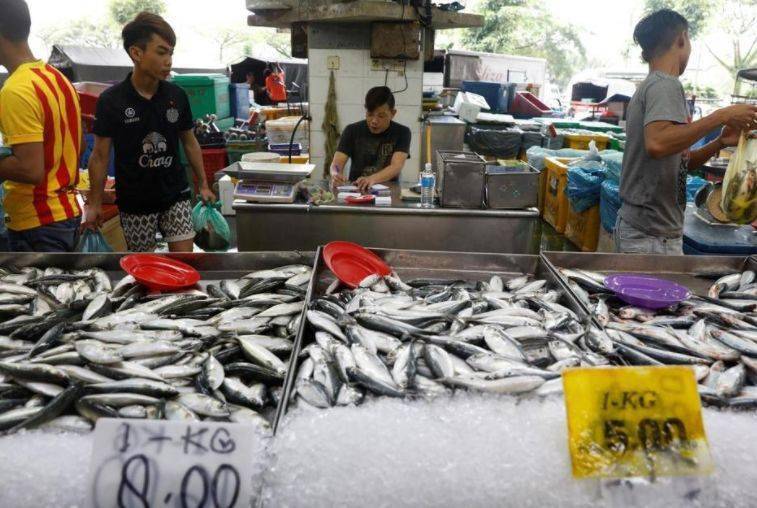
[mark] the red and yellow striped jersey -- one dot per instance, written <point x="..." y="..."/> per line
<point x="39" y="105"/>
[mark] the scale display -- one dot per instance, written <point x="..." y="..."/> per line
<point x="265" y="192"/>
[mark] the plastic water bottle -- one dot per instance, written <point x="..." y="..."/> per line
<point x="428" y="184"/>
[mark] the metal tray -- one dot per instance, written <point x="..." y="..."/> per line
<point x="212" y="267"/>
<point x="269" y="172"/>
<point x="411" y="264"/>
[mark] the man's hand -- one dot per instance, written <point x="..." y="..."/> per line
<point x="730" y="136"/>
<point x="93" y="217"/>
<point x="741" y="117"/>
<point x="206" y="195"/>
<point x="337" y="178"/>
<point x="364" y="183"/>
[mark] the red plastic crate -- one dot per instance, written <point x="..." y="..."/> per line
<point x="213" y="160"/>
<point x="527" y="104"/>
<point x="88" y="103"/>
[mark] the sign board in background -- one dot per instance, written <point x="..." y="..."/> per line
<point x="158" y="463"/>
<point x="635" y="422"/>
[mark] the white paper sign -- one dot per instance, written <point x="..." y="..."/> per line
<point x="158" y="463"/>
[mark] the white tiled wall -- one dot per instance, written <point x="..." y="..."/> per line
<point x="353" y="80"/>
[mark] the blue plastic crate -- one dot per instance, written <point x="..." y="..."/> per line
<point x="499" y="96"/>
<point x="89" y="141"/>
<point x="239" y="100"/>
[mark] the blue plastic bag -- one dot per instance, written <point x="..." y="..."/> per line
<point x="584" y="184"/>
<point x="693" y="184"/>
<point x="92" y="242"/>
<point x="613" y="159"/>
<point x="212" y="232"/>
<point x="609" y="204"/>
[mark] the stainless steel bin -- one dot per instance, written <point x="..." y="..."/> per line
<point x="460" y="179"/>
<point x="512" y="187"/>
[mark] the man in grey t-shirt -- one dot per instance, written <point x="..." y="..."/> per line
<point x="659" y="133"/>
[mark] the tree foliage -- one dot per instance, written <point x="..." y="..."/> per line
<point x="740" y="28"/>
<point x="696" y="12"/>
<point x="526" y="27"/>
<point x="106" y="33"/>
<point x="123" y="11"/>
<point x="82" y="32"/>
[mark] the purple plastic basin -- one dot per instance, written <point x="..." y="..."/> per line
<point x="645" y="291"/>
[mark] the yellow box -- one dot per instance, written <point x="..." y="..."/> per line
<point x="296" y="159"/>
<point x="582" y="228"/>
<point x="581" y="141"/>
<point x="635" y="422"/>
<point x="555" y="201"/>
<point x="275" y="113"/>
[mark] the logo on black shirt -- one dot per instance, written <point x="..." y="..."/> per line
<point x="172" y="115"/>
<point x="130" y="116"/>
<point x="153" y="147"/>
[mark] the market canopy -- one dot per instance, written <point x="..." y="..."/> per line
<point x="296" y="70"/>
<point x="80" y="63"/>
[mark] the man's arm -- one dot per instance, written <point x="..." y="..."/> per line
<point x="25" y="165"/>
<point x="390" y="172"/>
<point x="337" y="169"/>
<point x="98" y="170"/>
<point x="663" y="138"/>
<point x="702" y="155"/>
<point x="194" y="156"/>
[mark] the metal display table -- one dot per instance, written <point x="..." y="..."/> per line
<point x="403" y="225"/>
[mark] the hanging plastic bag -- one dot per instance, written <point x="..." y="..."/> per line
<point x="92" y="242"/>
<point x="212" y="232"/>
<point x="739" y="199"/>
<point x="584" y="184"/>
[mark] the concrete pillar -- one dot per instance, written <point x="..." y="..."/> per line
<point x="355" y="76"/>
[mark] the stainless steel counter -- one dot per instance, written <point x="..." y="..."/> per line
<point x="403" y="225"/>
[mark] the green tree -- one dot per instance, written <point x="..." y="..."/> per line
<point x="527" y="28"/>
<point x="696" y="12"/>
<point x="741" y="29"/>
<point x="81" y="32"/>
<point x="123" y="11"/>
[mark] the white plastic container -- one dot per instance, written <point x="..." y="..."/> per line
<point x="280" y="131"/>
<point x="226" y="195"/>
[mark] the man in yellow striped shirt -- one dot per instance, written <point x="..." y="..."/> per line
<point x="40" y="119"/>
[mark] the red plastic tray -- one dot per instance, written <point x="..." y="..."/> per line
<point x="351" y="263"/>
<point x="160" y="273"/>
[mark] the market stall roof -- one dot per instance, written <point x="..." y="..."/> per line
<point x="295" y="69"/>
<point x="80" y="63"/>
<point x="748" y="74"/>
<point x="283" y="14"/>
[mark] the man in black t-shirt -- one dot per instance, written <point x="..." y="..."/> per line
<point x="376" y="147"/>
<point x="144" y="118"/>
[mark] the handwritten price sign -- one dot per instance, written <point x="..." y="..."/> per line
<point x="152" y="463"/>
<point x="635" y="421"/>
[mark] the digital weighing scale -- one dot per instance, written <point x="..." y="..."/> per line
<point x="268" y="182"/>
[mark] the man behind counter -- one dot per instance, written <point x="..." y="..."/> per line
<point x="376" y="147"/>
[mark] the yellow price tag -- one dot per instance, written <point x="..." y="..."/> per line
<point x="635" y="421"/>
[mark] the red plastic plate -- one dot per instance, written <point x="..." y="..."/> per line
<point x="351" y="263"/>
<point x="160" y="273"/>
